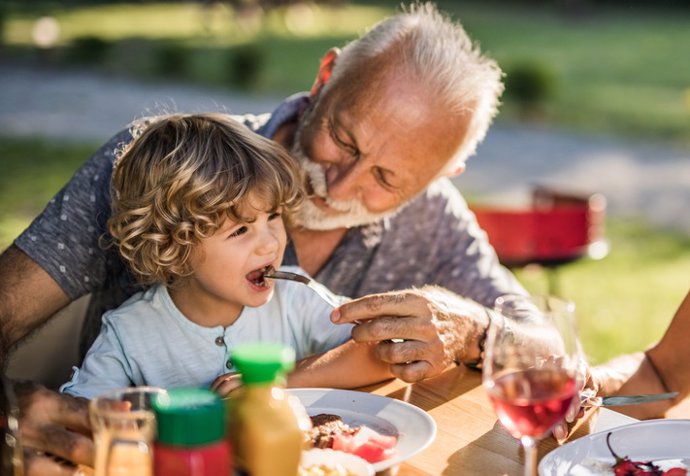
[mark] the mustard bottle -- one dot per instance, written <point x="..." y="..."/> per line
<point x="266" y="426"/>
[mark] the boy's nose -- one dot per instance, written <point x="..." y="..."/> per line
<point x="269" y="243"/>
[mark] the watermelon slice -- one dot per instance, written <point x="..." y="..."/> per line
<point x="367" y="444"/>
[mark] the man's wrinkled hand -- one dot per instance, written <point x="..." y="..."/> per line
<point x="53" y="424"/>
<point x="432" y="323"/>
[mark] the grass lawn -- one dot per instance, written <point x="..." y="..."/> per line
<point x="624" y="301"/>
<point x="622" y="70"/>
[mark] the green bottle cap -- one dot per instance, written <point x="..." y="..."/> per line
<point x="263" y="362"/>
<point x="189" y="417"/>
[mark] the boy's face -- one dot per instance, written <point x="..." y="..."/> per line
<point x="228" y="266"/>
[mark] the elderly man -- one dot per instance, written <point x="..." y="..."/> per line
<point x="387" y="120"/>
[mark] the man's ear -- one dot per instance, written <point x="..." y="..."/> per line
<point x="455" y="170"/>
<point x="325" y="70"/>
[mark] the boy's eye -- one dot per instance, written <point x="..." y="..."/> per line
<point x="274" y="215"/>
<point x="240" y="231"/>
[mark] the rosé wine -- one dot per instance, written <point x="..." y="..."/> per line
<point x="530" y="402"/>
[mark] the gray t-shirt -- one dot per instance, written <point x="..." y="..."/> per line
<point x="435" y="239"/>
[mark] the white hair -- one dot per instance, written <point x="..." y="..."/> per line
<point x="439" y="54"/>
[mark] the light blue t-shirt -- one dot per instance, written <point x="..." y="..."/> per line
<point x="148" y="341"/>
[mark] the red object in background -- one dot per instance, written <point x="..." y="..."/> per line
<point x="559" y="227"/>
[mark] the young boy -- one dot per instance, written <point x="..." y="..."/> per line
<point x="197" y="204"/>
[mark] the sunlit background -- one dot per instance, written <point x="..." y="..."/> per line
<point x="613" y="69"/>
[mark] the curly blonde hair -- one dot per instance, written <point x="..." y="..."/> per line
<point x="180" y="178"/>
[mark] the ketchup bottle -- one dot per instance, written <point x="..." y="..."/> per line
<point x="267" y="426"/>
<point x="191" y="434"/>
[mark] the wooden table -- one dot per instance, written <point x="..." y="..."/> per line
<point x="470" y="440"/>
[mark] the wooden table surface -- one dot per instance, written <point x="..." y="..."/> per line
<point x="470" y="440"/>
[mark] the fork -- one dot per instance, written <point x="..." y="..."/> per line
<point x="316" y="287"/>
<point x="310" y="283"/>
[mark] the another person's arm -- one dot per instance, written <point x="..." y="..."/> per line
<point x="55" y="424"/>
<point x="664" y="367"/>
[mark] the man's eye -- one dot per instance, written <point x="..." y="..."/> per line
<point x="240" y="231"/>
<point x="351" y="149"/>
<point x="381" y="178"/>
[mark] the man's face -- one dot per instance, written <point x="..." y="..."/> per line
<point x="367" y="153"/>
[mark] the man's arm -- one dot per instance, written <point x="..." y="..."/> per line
<point x="28" y="298"/>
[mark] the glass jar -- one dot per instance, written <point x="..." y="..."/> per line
<point x="266" y="426"/>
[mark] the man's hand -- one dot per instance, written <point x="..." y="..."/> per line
<point x="54" y="424"/>
<point x="439" y="328"/>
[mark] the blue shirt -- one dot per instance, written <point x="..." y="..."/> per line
<point x="148" y="341"/>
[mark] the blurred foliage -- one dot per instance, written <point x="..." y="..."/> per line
<point x="530" y="84"/>
<point x="171" y="60"/>
<point x="87" y="50"/>
<point x="619" y="69"/>
<point x="3" y="22"/>
<point x="244" y="65"/>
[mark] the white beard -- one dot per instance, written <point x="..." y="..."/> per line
<point x="352" y="212"/>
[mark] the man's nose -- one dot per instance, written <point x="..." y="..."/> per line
<point x="346" y="181"/>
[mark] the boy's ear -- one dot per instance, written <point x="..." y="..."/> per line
<point x="325" y="70"/>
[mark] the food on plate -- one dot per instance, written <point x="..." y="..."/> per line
<point x="325" y="470"/>
<point x="327" y="462"/>
<point x="330" y="431"/>
<point x="624" y="466"/>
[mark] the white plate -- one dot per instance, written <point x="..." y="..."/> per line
<point x="413" y="426"/>
<point x="665" y="442"/>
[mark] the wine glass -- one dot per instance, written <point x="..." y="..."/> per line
<point x="530" y="366"/>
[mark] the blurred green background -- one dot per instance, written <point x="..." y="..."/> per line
<point x="614" y="67"/>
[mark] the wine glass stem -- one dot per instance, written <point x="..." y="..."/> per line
<point x="530" y="447"/>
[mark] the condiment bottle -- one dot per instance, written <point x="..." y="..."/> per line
<point x="266" y="426"/>
<point x="191" y="434"/>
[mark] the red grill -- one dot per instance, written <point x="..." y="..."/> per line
<point x="558" y="227"/>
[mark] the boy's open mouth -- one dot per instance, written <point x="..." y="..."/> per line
<point x="256" y="277"/>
